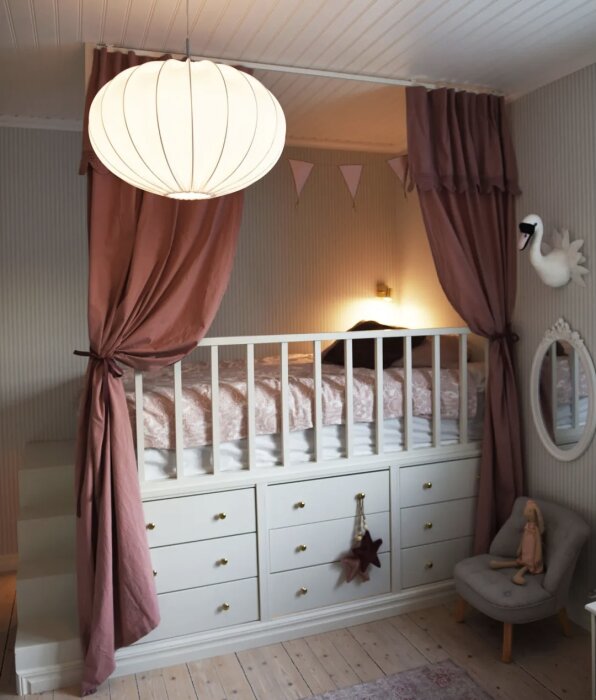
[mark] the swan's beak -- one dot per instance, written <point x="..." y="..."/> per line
<point x="526" y="231"/>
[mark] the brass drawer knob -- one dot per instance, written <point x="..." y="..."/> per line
<point x="428" y="526"/>
<point x="225" y="606"/>
<point x="427" y="485"/>
<point x="300" y="504"/>
<point x="302" y="548"/>
<point x="150" y="526"/>
<point x="428" y="565"/>
<point x="221" y="516"/>
<point x="224" y="561"/>
<point x="303" y="590"/>
<point x="360" y="496"/>
<point x="154" y="572"/>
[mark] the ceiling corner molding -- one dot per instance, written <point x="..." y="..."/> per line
<point x="51" y="123"/>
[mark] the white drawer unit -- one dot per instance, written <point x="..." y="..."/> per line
<point x="210" y="607"/>
<point x="432" y="562"/>
<point x="320" y="543"/>
<point x="319" y="586"/>
<point x="443" y="481"/>
<point x="302" y="502"/>
<point x="437" y="521"/>
<point x="204" y="563"/>
<point x="191" y="518"/>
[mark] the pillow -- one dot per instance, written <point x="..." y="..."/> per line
<point x="422" y="356"/>
<point x="363" y="349"/>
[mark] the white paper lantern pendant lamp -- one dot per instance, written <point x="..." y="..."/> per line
<point x="187" y="129"/>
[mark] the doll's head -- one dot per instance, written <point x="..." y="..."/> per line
<point x="532" y="514"/>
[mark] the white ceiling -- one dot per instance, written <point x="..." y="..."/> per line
<point x="511" y="46"/>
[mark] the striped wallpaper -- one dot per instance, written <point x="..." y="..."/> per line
<point x="307" y="267"/>
<point x="555" y="139"/>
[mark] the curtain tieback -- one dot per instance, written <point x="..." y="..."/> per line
<point x="508" y="334"/>
<point x="109" y="362"/>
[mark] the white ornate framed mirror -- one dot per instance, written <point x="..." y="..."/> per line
<point x="562" y="392"/>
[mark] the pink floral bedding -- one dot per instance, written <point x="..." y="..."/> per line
<point x="158" y="399"/>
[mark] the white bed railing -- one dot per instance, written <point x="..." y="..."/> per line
<point x="315" y="341"/>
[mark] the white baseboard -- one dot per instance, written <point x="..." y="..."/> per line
<point x="168" y="652"/>
<point x="8" y="563"/>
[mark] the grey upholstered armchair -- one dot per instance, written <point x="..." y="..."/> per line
<point x="492" y="592"/>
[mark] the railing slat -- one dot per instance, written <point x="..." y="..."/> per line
<point x="318" y="417"/>
<point x="215" y="427"/>
<point x="250" y="405"/>
<point x="140" y="426"/>
<point x="285" y="404"/>
<point x="463" y="389"/>
<point x="178" y="424"/>
<point x="436" y="389"/>
<point x="379" y="412"/>
<point x="349" y="398"/>
<point x="407" y="419"/>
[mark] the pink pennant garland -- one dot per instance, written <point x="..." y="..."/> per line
<point x="352" y="174"/>
<point x="401" y="168"/>
<point x="301" y="170"/>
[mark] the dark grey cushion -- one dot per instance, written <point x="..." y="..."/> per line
<point x="494" y="593"/>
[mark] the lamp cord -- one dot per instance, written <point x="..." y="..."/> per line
<point x="187" y="37"/>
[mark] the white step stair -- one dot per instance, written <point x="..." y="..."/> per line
<point x="56" y="578"/>
<point x="44" y="533"/>
<point x="47" y="632"/>
<point x="47" y="475"/>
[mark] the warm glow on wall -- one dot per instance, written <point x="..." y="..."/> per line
<point x="395" y="313"/>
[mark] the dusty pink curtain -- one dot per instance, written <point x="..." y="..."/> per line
<point x="158" y="269"/>
<point x="463" y="165"/>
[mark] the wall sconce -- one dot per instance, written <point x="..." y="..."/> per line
<point x="383" y="291"/>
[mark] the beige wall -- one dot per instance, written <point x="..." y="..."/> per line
<point x="555" y="140"/>
<point x="311" y="267"/>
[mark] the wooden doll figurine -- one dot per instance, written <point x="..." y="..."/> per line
<point x="529" y="552"/>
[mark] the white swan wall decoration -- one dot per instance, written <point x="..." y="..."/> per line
<point x="559" y="264"/>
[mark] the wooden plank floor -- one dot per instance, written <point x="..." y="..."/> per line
<point x="547" y="665"/>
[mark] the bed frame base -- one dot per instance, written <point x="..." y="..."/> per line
<point x="169" y="652"/>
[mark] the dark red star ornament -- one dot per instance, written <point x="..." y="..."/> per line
<point x="366" y="552"/>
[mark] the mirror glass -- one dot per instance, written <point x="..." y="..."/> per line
<point x="563" y="392"/>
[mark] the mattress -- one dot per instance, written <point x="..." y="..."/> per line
<point x="161" y="464"/>
<point x="158" y="398"/>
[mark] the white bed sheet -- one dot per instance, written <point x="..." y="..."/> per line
<point x="161" y="464"/>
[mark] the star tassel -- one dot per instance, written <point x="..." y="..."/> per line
<point x="366" y="552"/>
<point x="351" y="566"/>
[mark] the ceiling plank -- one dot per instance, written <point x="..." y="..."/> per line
<point x="69" y="21"/>
<point x="46" y="18"/>
<point x="8" y="37"/>
<point x="159" y="24"/>
<point x="22" y="22"/>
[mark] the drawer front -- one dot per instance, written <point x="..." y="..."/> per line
<point x="433" y="562"/>
<point x="437" y="521"/>
<point x="444" y="481"/>
<point x="325" y="585"/>
<point x="200" y="609"/>
<point x="304" y="502"/>
<point x="204" y="563"/>
<point x="190" y="518"/>
<point x="321" y="543"/>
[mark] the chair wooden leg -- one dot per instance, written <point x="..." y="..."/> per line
<point x="507" y="642"/>
<point x="460" y="610"/>
<point x="564" y="621"/>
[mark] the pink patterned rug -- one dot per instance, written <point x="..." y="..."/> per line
<point x="442" y="681"/>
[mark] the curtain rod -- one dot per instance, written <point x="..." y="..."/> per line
<point x="314" y="72"/>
